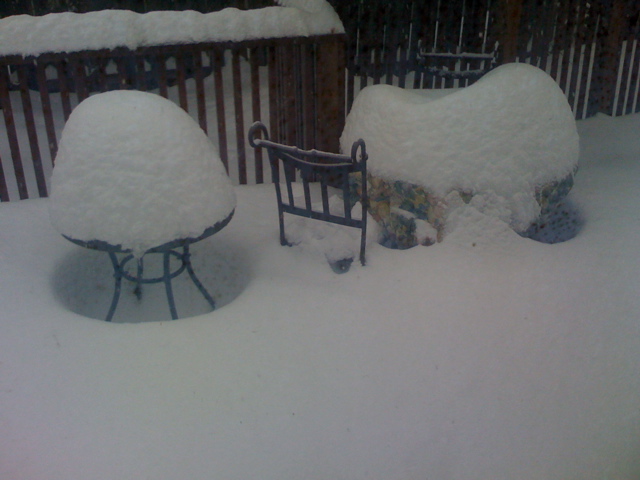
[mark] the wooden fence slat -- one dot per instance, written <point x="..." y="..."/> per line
<point x="634" y="84"/>
<point x="331" y="109"/>
<point x="237" y="103"/>
<point x="607" y="70"/>
<point x="47" y="112"/>
<point x="4" y="191"/>
<point x="448" y="27"/>
<point x="634" y="32"/>
<point x="309" y="96"/>
<point x="200" y="96"/>
<point x="216" y="58"/>
<point x="12" y="135"/>
<point x="162" y="76"/>
<point x="511" y="12"/>
<point x="626" y="71"/>
<point x="255" y="55"/>
<point x="125" y="64"/>
<point x="428" y="25"/>
<point x="564" y="41"/>
<point x="80" y="78"/>
<point x="275" y="101"/>
<point x="628" y="74"/>
<point x="32" y="134"/>
<point x="372" y="57"/>
<point x="414" y="44"/>
<point x="589" y="43"/>
<point x="61" y="69"/>
<point x="101" y="72"/>
<point x="573" y="53"/>
<point x="392" y="40"/>
<point x="423" y="25"/>
<point x="141" y="75"/>
<point x="287" y="94"/>
<point x="181" y="79"/>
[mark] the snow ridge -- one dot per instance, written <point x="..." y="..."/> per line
<point x="72" y="32"/>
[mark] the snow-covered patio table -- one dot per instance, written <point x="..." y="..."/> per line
<point x="506" y="146"/>
<point x="135" y="175"/>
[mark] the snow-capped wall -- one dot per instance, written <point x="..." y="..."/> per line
<point x="134" y="169"/>
<point x="507" y="134"/>
<point x="70" y="32"/>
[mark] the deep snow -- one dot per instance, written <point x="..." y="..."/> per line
<point x="487" y="356"/>
<point x="134" y="169"/>
<point x="503" y="137"/>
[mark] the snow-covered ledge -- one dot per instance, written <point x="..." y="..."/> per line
<point x="506" y="146"/>
<point x="70" y="32"/>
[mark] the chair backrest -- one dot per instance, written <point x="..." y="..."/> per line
<point x="454" y="66"/>
<point x="327" y="170"/>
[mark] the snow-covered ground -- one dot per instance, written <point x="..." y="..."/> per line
<point x="487" y="356"/>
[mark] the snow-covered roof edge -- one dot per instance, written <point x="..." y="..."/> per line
<point x="70" y="32"/>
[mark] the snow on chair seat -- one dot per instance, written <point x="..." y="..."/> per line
<point x="327" y="170"/>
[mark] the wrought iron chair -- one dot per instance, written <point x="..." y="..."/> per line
<point x="465" y="67"/>
<point x="323" y="168"/>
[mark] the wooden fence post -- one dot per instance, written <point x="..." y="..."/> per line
<point x="509" y="25"/>
<point x="606" y="65"/>
<point x="331" y="64"/>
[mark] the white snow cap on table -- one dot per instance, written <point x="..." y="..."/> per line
<point x="70" y="32"/>
<point x="511" y="131"/>
<point x="134" y="169"/>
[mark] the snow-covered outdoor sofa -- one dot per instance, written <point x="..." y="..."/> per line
<point x="506" y="146"/>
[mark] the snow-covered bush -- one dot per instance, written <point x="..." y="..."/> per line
<point x="504" y="145"/>
<point x="134" y="169"/>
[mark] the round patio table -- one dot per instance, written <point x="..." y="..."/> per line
<point x="178" y="248"/>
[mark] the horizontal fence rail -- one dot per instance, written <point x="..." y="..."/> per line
<point x="291" y="84"/>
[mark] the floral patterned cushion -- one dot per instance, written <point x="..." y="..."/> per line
<point x="409" y="215"/>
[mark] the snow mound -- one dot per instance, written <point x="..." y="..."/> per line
<point x="133" y="169"/>
<point x="507" y="134"/>
<point x="70" y="32"/>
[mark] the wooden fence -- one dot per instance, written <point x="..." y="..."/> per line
<point x="224" y="86"/>
<point x="589" y="46"/>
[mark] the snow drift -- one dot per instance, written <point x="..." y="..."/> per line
<point x="70" y="32"/>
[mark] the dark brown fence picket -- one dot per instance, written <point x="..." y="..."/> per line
<point x="12" y="138"/>
<point x="256" y="57"/>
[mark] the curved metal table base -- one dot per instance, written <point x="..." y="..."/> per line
<point x="168" y="250"/>
<point x="120" y="272"/>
